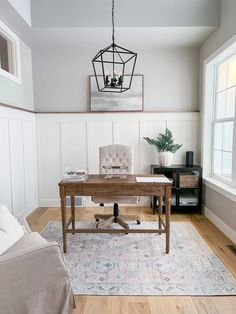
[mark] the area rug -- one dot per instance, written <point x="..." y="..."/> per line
<point x="136" y="264"/>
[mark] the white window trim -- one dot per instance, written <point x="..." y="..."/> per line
<point x="220" y="187"/>
<point x="15" y="57"/>
<point x="219" y="120"/>
<point x="209" y="78"/>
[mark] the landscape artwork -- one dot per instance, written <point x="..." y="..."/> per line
<point x="130" y="100"/>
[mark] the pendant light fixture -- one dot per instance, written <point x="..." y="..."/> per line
<point x="114" y="66"/>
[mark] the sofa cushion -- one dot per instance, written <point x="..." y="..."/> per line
<point x="29" y="240"/>
<point x="10" y="229"/>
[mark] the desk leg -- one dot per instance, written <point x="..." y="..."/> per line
<point x="168" y="206"/>
<point x="72" y="200"/>
<point x="63" y="219"/>
<point x="154" y="205"/>
<point x="159" y="211"/>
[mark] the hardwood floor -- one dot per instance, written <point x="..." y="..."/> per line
<point x="152" y="305"/>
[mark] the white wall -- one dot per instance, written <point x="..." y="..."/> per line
<point x="61" y="78"/>
<point x="23" y="7"/>
<point x="70" y="141"/>
<point x="19" y="94"/>
<point x="18" y="182"/>
<point x="222" y="210"/>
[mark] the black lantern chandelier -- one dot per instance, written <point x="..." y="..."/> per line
<point x="114" y="66"/>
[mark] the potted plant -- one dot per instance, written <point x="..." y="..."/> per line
<point x="165" y="146"/>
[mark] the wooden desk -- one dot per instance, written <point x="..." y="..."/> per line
<point x="97" y="185"/>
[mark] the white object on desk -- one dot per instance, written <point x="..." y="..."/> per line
<point x="152" y="179"/>
<point x="115" y="171"/>
<point x="115" y="167"/>
<point x="75" y="176"/>
<point x="110" y="176"/>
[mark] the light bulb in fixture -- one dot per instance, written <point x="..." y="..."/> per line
<point x="107" y="74"/>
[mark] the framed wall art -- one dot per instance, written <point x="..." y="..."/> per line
<point x="130" y="100"/>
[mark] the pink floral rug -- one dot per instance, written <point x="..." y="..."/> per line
<point x="136" y="264"/>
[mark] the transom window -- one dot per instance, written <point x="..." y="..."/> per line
<point x="224" y="120"/>
<point x="9" y="54"/>
<point x="4" y="57"/>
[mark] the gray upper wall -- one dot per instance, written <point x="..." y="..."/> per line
<point x="129" y="13"/>
<point x="224" y="32"/>
<point x="219" y="204"/>
<point x="61" y="78"/>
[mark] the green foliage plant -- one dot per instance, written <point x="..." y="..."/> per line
<point x="164" y="142"/>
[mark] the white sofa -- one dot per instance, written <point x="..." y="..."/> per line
<point x="34" y="278"/>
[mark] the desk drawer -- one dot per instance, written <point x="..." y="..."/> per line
<point x="113" y="190"/>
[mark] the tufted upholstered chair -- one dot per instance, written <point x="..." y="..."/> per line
<point x="115" y="155"/>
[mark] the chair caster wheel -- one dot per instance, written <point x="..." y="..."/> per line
<point x="97" y="220"/>
<point x="138" y="222"/>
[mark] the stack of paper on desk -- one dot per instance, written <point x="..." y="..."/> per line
<point x="152" y="179"/>
<point x="75" y="176"/>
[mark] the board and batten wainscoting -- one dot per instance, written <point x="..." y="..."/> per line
<point x="32" y="163"/>
<point x="72" y="141"/>
<point x="18" y="179"/>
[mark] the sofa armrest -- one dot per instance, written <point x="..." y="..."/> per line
<point x="29" y="252"/>
<point x="31" y="272"/>
<point x="23" y="222"/>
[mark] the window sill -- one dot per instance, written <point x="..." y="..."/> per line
<point x="10" y="76"/>
<point x="220" y="187"/>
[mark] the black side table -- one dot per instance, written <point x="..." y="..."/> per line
<point x="187" y="187"/>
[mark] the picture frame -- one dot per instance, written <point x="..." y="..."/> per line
<point x="129" y="101"/>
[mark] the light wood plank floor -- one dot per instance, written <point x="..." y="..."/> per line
<point x="152" y="305"/>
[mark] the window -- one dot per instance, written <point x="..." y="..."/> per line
<point x="9" y="54"/>
<point x="4" y="57"/>
<point x="218" y="149"/>
<point x="224" y="120"/>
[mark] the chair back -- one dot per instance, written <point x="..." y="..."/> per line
<point x="116" y="155"/>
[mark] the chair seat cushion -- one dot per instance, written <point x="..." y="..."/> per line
<point x="29" y="240"/>
<point x="116" y="199"/>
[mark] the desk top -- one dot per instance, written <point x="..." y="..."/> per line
<point x="97" y="185"/>
<point x="129" y="180"/>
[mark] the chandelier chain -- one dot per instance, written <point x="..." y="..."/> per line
<point x="113" y="21"/>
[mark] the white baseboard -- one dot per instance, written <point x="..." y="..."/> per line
<point x="26" y="212"/>
<point x="49" y="203"/>
<point x="229" y="232"/>
<point x="87" y="202"/>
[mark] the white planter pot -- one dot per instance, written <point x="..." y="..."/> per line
<point x="165" y="159"/>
